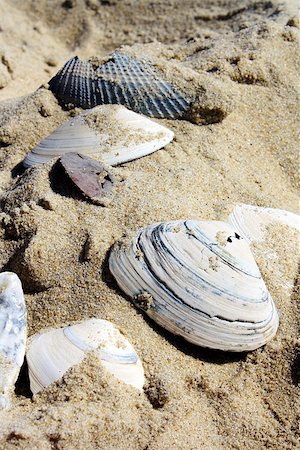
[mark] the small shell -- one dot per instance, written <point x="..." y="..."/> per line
<point x="12" y="333"/>
<point x="91" y="178"/>
<point x="51" y="353"/>
<point x="121" y="80"/>
<point x="252" y="221"/>
<point x="109" y="133"/>
<point x="198" y="280"/>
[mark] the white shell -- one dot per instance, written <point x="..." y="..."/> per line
<point x="51" y="353"/>
<point x="12" y="333"/>
<point x="198" y="280"/>
<point x="252" y="221"/>
<point x="132" y="136"/>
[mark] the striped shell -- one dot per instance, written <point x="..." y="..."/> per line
<point x="252" y="222"/>
<point x="121" y="80"/>
<point x="12" y="333"/>
<point x="51" y="353"/>
<point x="198" y="280"/>
<point x="109" y="133"/>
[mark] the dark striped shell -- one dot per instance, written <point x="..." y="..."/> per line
<point x="121" y="80"/>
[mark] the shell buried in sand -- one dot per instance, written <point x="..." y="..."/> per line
<point x="91" y="178"/>
<point x="121" y="80"/>
<point x="198" y="280"/>
<point x="111" y="134"/>
<point x="252" y="222"/>
<point x="13" y="331"/>
<point x="51" y="353"/>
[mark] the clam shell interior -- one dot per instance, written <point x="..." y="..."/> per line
<point x="252" y="222"/>
<point x="13" y="330"/>
<point x="51" y="353"/>
<point x="198" y="280"/>
<point x="109" y="133"/>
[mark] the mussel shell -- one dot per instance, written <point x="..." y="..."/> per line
<point x="121" y="80"/>
<point x="198" y="280"/>
<point x="51" y="353"/>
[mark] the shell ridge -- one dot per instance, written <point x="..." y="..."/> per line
<point x="140" y="80"/>
<point x="77" y="340"/>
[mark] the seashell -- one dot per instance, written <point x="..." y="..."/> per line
<point x="252" y="222"/>
<point x="198" y="280"/>
<point x="12" y="333"/>
<point x="121" y="80"/>
<point x="110" y="133"/>
<point x="51" y="353"/>
<point x="93" y="180"/>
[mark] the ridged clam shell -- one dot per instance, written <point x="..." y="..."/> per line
<point x="252" y="221"/>
<point x="198" y="280"/>
<point x="117" y="136"/>
<point x="51" y="353"/>
<point x="121" y="80"/>
<point x="12" y="333"/>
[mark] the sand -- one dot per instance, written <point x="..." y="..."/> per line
<point x="240" y="144"/>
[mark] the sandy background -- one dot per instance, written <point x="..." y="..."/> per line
<point x="242" y="61"/>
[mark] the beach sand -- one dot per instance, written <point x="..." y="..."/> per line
<point x="240" y="145"/>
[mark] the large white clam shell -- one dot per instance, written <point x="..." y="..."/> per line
<point x="109" y="133"/>
<point x="51" y="353"/>
<point x="252" y="222"/>
<point x="12" y="333"/>
<point x="198" y="280"/>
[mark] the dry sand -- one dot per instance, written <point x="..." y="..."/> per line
<point x="241" y="58"/>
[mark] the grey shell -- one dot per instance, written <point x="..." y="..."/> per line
<point x="198" y="280"/>
<point x="121" y="80"/>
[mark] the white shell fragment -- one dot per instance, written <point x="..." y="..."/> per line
<point x="12" y="333"/>
<point x="198" y="280"/>
<point x="252" y="222"/>
<point x="51" y="353"/>
<point x="109" y="133"/>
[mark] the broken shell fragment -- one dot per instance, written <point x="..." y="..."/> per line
<point x="252" y="222"/>
<point x="93" y="180"/>
<point x="12" y="333"/>
<point x="198" y="280"/>
<point x="109" y="133"/>
<point x="51" y="353"/>
<point x="122" y="80"/>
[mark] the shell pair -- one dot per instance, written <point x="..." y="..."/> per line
<point x="199" y="280"/>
